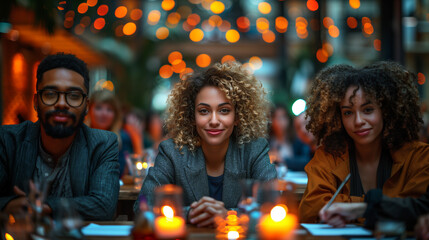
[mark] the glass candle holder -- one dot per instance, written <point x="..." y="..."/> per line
<point x="139" y="169"/>
<point x="168" y="210"/>
<point x="233" y="227"/>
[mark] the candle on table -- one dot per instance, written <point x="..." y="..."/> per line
<point x="169" y="226"/>
<point x="278" y="224"/>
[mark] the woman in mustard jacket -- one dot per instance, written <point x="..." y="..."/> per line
<point x="366" y="122"/>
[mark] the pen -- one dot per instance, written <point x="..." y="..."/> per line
<point x="338" y="191"/>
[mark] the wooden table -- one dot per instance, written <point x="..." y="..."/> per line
<point x="195" y="233"/>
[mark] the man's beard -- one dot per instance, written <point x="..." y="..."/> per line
<point x="60" y="130"/>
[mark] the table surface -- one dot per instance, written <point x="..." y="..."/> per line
<point x="195" y="233"/>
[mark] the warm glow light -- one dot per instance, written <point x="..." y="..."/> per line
<point x="8" y="236"/>
<point x="187" y="27"/>
<point x="301" y="22"/>
<point x="188" y="71"/>
<point x="232" y="36"/>
<point x="352" y="22"/>
<point x="167" y="211"/>
<point x="421" y="79"/>
<point x="328" y="48"/>
<point x="334" y="31"/>
<point x="79" y="29"/>
<point x="303" y="35"/>
<point x="232" y="235"/>
<point x="281" y="24"/>
<point x="195" y="1"/>
<point x="268" y="36"/>
<point x="173" y="18"/>
<point x="377" y="44"/>
<point x="179" y="67"/>
<point x="69" y="15"/>
<point x="92" y="3"/>
<point x="225" y="26"/>
<point x="99" y="23"/>
<point x="118" y="31"/>
<point x="121" y="12"/>
<point x="278" y="213"/>
<point x="82" y="8"/>
<point x="203" y="60"/>
<point x="227" y="58"/>
<point x="327" y="22"/>
<point x="243" y="24"/>
<point x="162" y="33"/>
<point x="322" y="55"/>
<point x="193" y="19"/>
<point x="139" y="165"/>
<point x="166" y="71"/>
<point x="175" y="57"/>
<point x="365" y="20"/>
<point x="354" y="3"/>
<point x="215" y="20"/>
<point x="145" y="165"/>
<point x="312" y="5"/>
<point x="196" y="35"/>
<point x="108" y="85"/>
<point x="184" y="11"/>
<point x="217" y="7"/>
<point x="368" y="28"/>
<point x="11" y="219"/>
<point x="255" y="62"/>
<point x="167" y="5"/>
<point x="264" y="7"/>
<point x="153" y="17"/>
<point x="129" y="28"/>
<point x="102" y="10"/>
<point x="247" y="67"/>
<point x="207" y="27"/>
<point x="136" y="14"/>
<point x="262" y="24"/>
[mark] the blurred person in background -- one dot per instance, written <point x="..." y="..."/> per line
<point x="284" y="145"/>
<point x="105" y="114"/>
<point x="154" y="133"/>
<point x="300" y="122"/>
<point x="59" y="152"/>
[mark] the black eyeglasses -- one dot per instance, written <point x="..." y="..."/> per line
<point x="50" y="97"/>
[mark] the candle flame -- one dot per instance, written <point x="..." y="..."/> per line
<point x="278" y="213"/>
<point x="233" y="235"/>
<point x="167" y="211"/>
<point x="8" y="236"/>
<point x="139" y="165"/>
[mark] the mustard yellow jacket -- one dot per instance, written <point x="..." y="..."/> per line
<point x="409" y="178"/>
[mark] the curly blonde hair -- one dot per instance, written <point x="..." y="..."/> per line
<point x="388" y="83"/>
<point x="243" y="90"/>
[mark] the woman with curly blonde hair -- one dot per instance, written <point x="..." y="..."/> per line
<point x="366" y="122"/>
<point x="217" y="122"/>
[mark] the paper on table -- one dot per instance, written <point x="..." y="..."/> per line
<point x="106" y="230"/>
<point x="327" y="230"/>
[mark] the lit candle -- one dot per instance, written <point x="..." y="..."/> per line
<point x="169" y="226"/>
<point x="278" y="224"/>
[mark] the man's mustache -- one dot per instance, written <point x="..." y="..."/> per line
<point x="61" y="111"/>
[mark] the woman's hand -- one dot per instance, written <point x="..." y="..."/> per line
<point x="203" y="212"/>
<point x="422" y="228"/>
<point x="338" y="214"/>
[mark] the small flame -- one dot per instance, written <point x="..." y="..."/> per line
<point x="11" y="219"/>
<point x="139" y="165"/>
<point x="278" y="213"/>
<point x="233" y="235"/>
<point x="8" y="236"/>
<point x="144" y="165"/>
<point x="167" y="211"/>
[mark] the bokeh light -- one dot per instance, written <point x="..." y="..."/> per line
<point x="227" y="58"/>
<point x="281" y="24"/>
<point x="365" y="20"/>
<point x="173" y="18"/>
<point x="215" y="20"/>
<point x="166" y="71"/>
<point x="268" y="36"/>
<point x="79" y="29"/>
<point x="136" y="14"/>
<point x="298" y="106"/>
<point x="232" y="36"/>
<point x="334" y="31"/>
<point x="167" y="5"/>
<point x="225" y="26"/>
<point x="377" y="44"/>
<point x="312" y="5"/>
<point x="184" y="11"/>
<point x="322" y="55"/>
<point x="179" y="67"/>
<point x="243" y="24"/>
<point x="188" y="71"/>
<point x="255" y="62"/>
<point x="421" y="78"/>
<point x="248" y="68"/>
<point x="82" y="8"/>
<point x="153" y="17"/>
<point x="203" y="60"/>
<point x="327" y="22"/>
<point x="108" y="85"/>
<point x="328" y="48"/>
<point x="368" y="28"/>
<point x="99" y="23"/>
<point x="130" y="28"/>
<point x="162" y="33"/>
<point x="352" y="22"/>
<point x="354" y="3"/>
<point x="217" y="7"/>
<point x="196" y="35"/>
<point x="92" y="3"/>
<point x="118" y="30"/>
<point x="264" y="7"/>
<point x="121" y="11"/>
<point x="206" y="26"/>
<point x="175" y="57"/>
<point x="262" y="24"/>
<point x="193" y="19"/>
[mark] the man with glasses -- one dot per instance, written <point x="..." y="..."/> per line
<point x="75" y="162"/>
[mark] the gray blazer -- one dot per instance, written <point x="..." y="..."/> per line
<point x="188" y="170"/>
<point x="94" y="168"/>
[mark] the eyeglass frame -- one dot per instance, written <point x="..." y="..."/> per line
<point x="40" y="93"/>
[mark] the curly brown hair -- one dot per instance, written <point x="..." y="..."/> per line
<point x="243" y="90"/>
<point x="388" y="83"/>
